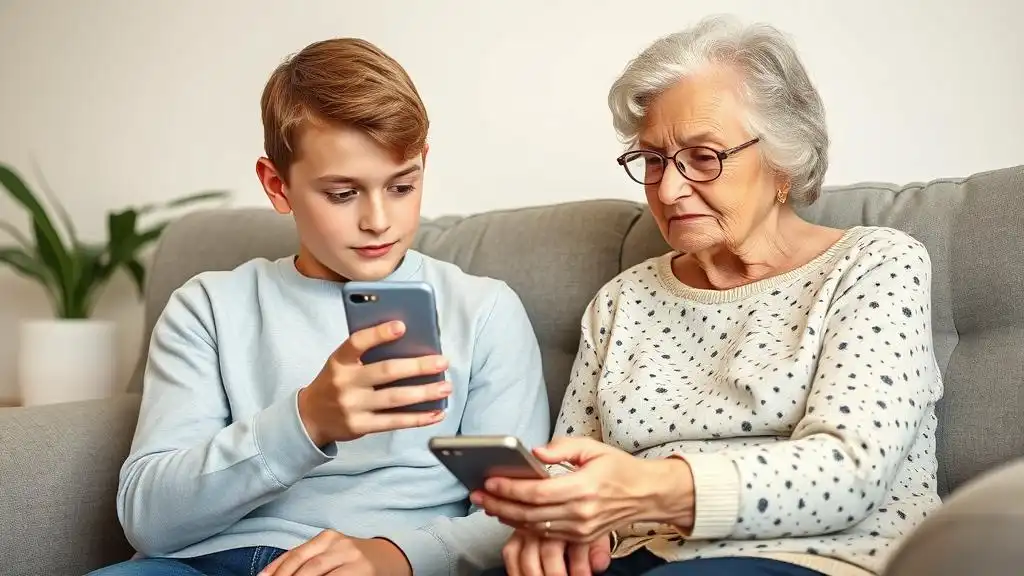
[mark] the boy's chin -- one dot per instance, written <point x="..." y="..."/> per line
<point x="355" y="267"/>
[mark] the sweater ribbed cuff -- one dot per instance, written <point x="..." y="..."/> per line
<point x="716" y="484"/>
<point x="282" y="440"/>
<point x="425" y="552"/>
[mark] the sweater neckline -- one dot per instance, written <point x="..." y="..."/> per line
<point x="406" y="270"/>
<point x="676" y="287"/>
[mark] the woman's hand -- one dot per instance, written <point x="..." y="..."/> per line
<point x="609" y="488"/>
<point x="526" y="554"/>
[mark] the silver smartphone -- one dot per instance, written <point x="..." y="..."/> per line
<point x="369" y="304"/>
<point x="474" y="459"/>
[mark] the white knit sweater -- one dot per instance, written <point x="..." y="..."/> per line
<point x="804" y="403"/>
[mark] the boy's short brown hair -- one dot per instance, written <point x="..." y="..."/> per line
<point x="347" y="82"/>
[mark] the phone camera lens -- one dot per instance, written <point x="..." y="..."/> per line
<point x="362" y="298"/>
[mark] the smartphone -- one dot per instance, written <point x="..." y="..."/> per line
<point x="369" y="304"/>
<point x="474" y="459"/>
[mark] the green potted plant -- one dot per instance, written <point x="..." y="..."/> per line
<point x="72" y="356"/>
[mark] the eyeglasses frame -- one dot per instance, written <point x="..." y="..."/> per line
<point x="721" y="154"/>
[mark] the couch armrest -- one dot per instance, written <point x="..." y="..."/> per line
<point x="977" y="530"/>
<point x="59" y="468"/>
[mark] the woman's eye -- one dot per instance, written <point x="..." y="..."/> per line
<point x="340" y="196"/>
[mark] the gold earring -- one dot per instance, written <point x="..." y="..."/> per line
<point x="780" y="196"/>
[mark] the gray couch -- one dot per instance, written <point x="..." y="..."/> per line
<point x="59" y="464"/>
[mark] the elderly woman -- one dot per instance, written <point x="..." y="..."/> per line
<point x="760" y="399"/>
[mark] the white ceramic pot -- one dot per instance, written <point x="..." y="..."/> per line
<point x="66" y="360"/>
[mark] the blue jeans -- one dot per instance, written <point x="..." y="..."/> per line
<point x="647" y="564"/>
<point x="740" y="566"/>
<point x="237" y="562"/>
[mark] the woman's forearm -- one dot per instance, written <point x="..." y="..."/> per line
<point x="669" y="489"/>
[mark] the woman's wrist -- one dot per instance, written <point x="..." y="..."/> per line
<point x="669" y="495"/>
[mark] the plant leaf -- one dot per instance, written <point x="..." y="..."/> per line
<point x="197" y="197"/>
<point x="25" y="264"/>
<point x="61" y="267"/>
<point x="138" y="274"/>
<point x="69" y="225"/>
<point x="151" y="235"/>
<point x="16" y="234"/>
<point x="185" y="200"/>
<point x="121" y="231"/>
<point x="49" y="245"/>
<point x="92" y="272"/>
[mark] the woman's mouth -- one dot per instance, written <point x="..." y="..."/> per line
<point x="686" y="217"/>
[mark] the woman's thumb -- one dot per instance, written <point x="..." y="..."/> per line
<point x="563" y="449"/>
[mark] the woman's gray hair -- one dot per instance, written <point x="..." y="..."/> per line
<point x="785" y="109"/>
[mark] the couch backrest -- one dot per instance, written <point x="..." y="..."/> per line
<point x="557" y="257"/>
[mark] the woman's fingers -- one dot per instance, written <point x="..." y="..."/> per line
<point x="574" y="450"/>
<point x="557" y="490"/>
<point x="516" y="514"/>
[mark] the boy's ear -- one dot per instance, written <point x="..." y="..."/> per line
<point x="273" y="185"/>
<point x="426" y="148"/>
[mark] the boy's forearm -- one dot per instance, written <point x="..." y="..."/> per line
<point x="463" y="545"/>
<point x="171" y="499"/>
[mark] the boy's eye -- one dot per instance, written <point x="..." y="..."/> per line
<point x="340" y="196"/>
<point x="402" y="189"/>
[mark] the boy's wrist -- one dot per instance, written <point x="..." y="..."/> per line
<point x="387" y="558"/>
<point x="308" y="416"/>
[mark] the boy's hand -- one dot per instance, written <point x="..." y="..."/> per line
<point x="341" y="404"/>
<point x="334" y="553"/>
<point x="527" y="554"/>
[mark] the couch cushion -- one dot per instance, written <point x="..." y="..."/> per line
<point x="59" y="468"/>
<point x="974" y="231"/>
<point x="982" y="421"/>
<point x="555" y="257"/>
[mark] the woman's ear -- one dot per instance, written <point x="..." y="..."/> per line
<point x="782" y="187"/>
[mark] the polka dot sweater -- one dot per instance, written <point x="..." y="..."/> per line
<point x="804" y="403"/>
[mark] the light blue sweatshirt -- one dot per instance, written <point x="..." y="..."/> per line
<point x="221" y="460"/>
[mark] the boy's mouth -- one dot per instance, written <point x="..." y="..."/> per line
<point x="374" y="250"/>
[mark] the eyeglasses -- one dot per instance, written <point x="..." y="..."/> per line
<point x="696" y="163"/>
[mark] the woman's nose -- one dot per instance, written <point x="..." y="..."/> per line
<point x="673" y="186"/>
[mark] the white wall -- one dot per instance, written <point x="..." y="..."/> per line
<point x="127" y="102"/>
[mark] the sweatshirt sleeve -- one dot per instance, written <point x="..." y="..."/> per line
<point x="506" y="372"/>
<point x="874" y="384"/>
<point x="191" y="472"/>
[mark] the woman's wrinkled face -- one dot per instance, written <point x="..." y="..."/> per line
<point x="705" y="110"/>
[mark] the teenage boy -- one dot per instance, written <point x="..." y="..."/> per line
<point x="262" y="443"/>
